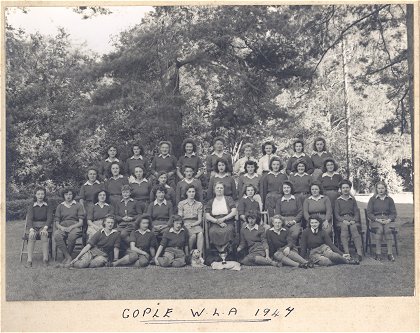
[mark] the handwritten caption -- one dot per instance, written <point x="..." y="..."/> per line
<point x="167" y="315"/>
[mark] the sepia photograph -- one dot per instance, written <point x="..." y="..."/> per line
<point x="209" y="152"/>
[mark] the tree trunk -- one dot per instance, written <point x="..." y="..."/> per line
<point x="347" y="111"/>
<point x="410" y="58"/>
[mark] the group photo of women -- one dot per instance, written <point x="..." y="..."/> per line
<point x="258" y="210"/>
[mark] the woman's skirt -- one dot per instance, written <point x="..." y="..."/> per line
<point x="220" y="236"/>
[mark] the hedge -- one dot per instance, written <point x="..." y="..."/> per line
<point x="16" y="209"/>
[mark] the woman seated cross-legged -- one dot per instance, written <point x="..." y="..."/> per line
<point x="221" y="212"/>
<point x="99" y="247"/>
<point x="143" y="245"/>
<point x="69" y="217"/>
<point x="174" y="245"/>
<point x="281" y="245"/>
<point x="322" y="251"/>
<point x="254" y="241"/>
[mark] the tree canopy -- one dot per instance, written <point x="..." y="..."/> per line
<point x="249" y="73"/>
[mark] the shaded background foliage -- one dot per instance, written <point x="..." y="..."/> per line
<point x="249" y="73"/>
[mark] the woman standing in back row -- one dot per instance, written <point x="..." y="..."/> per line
<point x="318" y="157"/>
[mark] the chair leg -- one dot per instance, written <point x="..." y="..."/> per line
<point x="396" y="243"/>
<point x="363" y="244"/>
<point x="22" y="249"/>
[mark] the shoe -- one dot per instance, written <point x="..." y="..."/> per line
<point x="310" y="264"/>
<point x="352" y="261"/>
<point x="45" y="263"/>
<point x="377" y="257"/>
<point x="391" y="257"/>
<point x="359" y="257"/>
<point x="303" y="266"/>
<point x="279" y="264"/>
<point x="28" y="264"/>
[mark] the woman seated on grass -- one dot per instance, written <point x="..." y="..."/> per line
<point x="382" y="214"/>
<point x="322" y="251"/>
<point x="38" y="223"/>
<point x="174" y="245"/>
<point x="281" y="245"/>
<point x="143" y="245"/>
<point x="97" y="212"/>
<point x="254" y="242"/>
<point x="99" y="247"/>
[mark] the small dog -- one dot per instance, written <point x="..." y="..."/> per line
<point x="196" y="260"/>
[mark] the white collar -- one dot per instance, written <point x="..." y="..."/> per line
<point x="246" y="197"/>
<point x="342" y="198"/>
<point x="301" y="154"/>
<point x="188" y="203"/>
<point x="313" y="230"/>
<point x="218" y="154"/>
<point x="320" y="153"/>
<point x="280" y="172"/>
<point x="192" y="154"/>
<point x="40" y="204"/>
<point x="71" y="204"/>
<point x="189" y="181"/>
<point x="142" y="232"/>
<point x="254" y="227"/>
<point x="292" y="197"/>
<point x="298" y="175"/>
<point x="136" y="181"/>
<point x="167" y="155"/>
<point x="255" y="175"/>
<point x="115" y="160"/>
<point x="379" y="197"/>
<point x="278" y="233"/>
<point x="129" y="199"/>
<point x="90" y="184"/>
<point x="219" y="176"/>
<point x="173" y="230"/>
<point x="112" y="231"/>
<point x="119" y="176"/>
<point x="136" y="158"/>
<point x="98" y="204"/>
<point x="156" y="203"/>
<point x="327" y="175"/>
<point x="317" y="199"/>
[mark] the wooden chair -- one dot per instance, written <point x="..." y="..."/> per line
<point x="369" y="245"/>
<point x="351" y="243"/>
<point x="80" y="242"/>
<point x="25" y="238"/>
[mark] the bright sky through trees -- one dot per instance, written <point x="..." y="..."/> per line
<point x="96" y="32"/>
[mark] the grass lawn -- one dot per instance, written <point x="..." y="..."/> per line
<point x="371" y="278"/>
